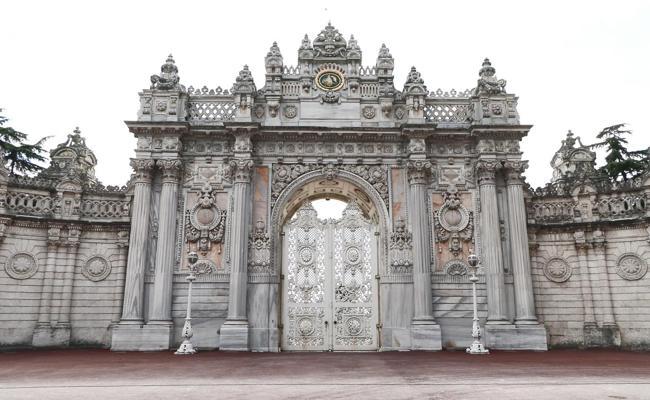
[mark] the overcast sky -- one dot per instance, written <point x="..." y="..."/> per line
<point x="574" y="65"/>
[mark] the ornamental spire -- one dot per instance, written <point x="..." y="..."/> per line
<point x="488" y="84"/>
<point x="168" y="78"/>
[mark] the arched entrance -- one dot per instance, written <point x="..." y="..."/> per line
<point x="329" y="291"/>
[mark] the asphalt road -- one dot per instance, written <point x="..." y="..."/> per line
<point x="101" y="374"/>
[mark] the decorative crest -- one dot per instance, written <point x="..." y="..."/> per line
<point x="414" y="83"/>
<point x="488" y="84"/>
<point x="244" y="82"/>
<point x="274" y="57"/>
<point x="330" y="43"/>
<point x="168" y="78"/>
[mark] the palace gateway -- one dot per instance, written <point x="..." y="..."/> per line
<point x="239" y="176"/>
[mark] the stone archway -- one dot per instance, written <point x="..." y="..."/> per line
<point x="350" y="326"/>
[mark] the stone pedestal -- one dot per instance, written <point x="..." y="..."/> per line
<point x="233" y="336"/>
<point x="514" y="337"/>
<point x="151" y="337"/>
<point x="426" y="335"/>
<point x="51" y="336"/>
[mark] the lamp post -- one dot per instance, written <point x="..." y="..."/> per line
<point x="476" y="347"/>
<point x="186" y="347"/>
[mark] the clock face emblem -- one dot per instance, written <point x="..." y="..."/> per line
<point x="329" y="80"/>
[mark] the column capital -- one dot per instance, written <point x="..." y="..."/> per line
<point x="598" y="240"/>
<point x="241" y="170"/>
<point x="419" y="171"/>
<point x="514" y="170"/>
<point x="170" y="169"/>
<point x="486" y="171"/>
<point x="143" y="169"/>
<point x="580" y="240"/>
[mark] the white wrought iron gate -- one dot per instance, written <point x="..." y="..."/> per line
<point x="329" y="287"/>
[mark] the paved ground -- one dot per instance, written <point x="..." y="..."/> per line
<point x="100" y="374"/>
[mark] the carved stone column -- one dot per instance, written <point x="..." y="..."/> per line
<point x="585" y="285"/>
<point x="234" y="332"/>
<point x="161" y="308"/>
<point x="609" y="333"/>
<point x="425" y="332"/>
<point x="124" y="337"/>
<point x="43" y="333"/>
<point x="519" y="254"/>
<point x="491" y="256"/>
<point x="63" y="324"/>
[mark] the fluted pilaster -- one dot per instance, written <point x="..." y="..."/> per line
<point x="582" y="247"/>
<point x="492" y="259"/>
<point x="161" y="310"/>
<point x="520" y="256"/>
<point x="132" y="311"/>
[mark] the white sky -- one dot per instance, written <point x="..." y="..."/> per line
<point x="574" y="65"/>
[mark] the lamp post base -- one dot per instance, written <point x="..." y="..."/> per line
<point x="477" y="348"/>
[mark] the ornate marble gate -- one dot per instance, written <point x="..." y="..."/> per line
<point x="329" y="290"/>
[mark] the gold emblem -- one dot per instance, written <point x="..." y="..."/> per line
<point x="329" y="80"/>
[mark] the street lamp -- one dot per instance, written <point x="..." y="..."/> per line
<point x="476" y="347"/>
<point x="186" y="347"/>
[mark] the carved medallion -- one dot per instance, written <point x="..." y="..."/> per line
<point x="369" y="112"/>
<point x="96" y="269"/>
<point x="557" y="270"/>
<point x="454" y="223"/>
<point x="329" y="80"/>
<point x="290" y="111"/>
<point x="631" y="267"/>
<point x="21" y="266"/>
<point x="205" y="223"/>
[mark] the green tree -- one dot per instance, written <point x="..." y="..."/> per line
<point x="620" y="163"/>
<point x="20" y="156"/>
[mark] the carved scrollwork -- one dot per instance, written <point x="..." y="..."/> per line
<point x="170" y="169"/>
<point x="486" y="171"/>
<point x="454" y="223"/>
<point x="401" y="246"/>
<point x="143" y="169"/>
<point x="205" y="223"/>
<point x="241" y="170"/>
<point x="259" y="248"/>
<point x="419" y="171"/>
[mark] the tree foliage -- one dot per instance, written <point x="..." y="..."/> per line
<point x="21" y="157"/>
<point x="621" y="164"/>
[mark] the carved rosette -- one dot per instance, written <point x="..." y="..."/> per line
<point x="205" y="223"/>
<point x="557" y="270"/>
<point x="21" y="266"/>
<point x="454" y="223"/>
<point x="631" y="267"/>
<point x="241" y="170"/>
<point x="486" y="171"/>
<point x="401" y="248"/>
<point x="170" y="169"/>
<point x="143" y="169"/>
<point x="96" y="268"/>
<point x="259" y="250"/>
<point x="419" y="172"/>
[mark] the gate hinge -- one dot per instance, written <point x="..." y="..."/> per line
<point x="280" y="326"/>
<point x="379" y="326"/>
<point x="377" y="277"/>
<point x="281" y="277"/>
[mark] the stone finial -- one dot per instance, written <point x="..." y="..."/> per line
<point x="414" y="83"/>
<point x="354" y="51"/>
<point x="352" y="43"/>
<point x="273" y="57"/>
<point x="168" y="78"/>
<point x="488" y="84"/>
<point x="384" y="52"/>
<point x="306" y="43"/>
<point x="572" y="161"/>
<point x="244" y="82"/>
<point x="330" y="43"/>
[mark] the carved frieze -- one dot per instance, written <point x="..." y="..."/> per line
<point x="454" y="223"/>
<point x="205" y="222"/>
<point x="375" y="175"/>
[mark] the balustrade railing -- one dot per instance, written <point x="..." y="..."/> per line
<point x="626" y="206"/>
<point x="552" y="212"/>
<point x="447" y="111"/>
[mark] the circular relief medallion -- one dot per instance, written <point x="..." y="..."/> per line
<point x="453" y="219"/>
<point x="96" y="269"/>
<point x="306" y="255"/>
<point x="631" y="267"/>
<point x="352" y="255"/>
<point x="290" y="111"/>
<point x="329" y="80"/>
<point x="354" y="326"/>
<point x="305" y="326"/>
<point x="21" y="266"/>
<point x="369" y="112"/>
<point x="557" y="270"/>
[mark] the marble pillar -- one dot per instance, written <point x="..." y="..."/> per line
<point x="519" y="254"/>
<point x="491" y="256"/>
<point x="160" y="318"/>
<point x="234" y="332"/>
<point x="425" y="332"/>
<point x="127" y="334"/>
